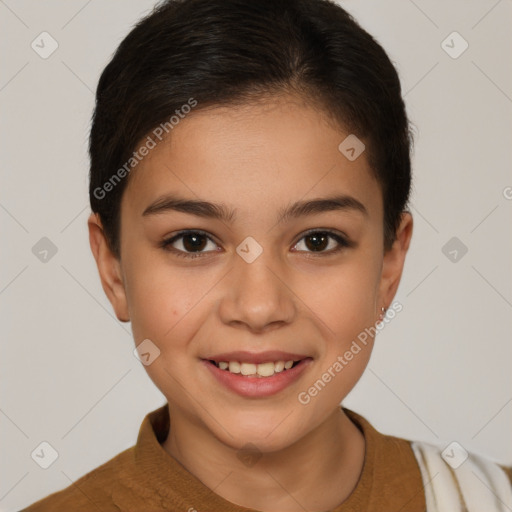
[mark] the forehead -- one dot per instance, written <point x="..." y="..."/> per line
<point x="253" y="156"/>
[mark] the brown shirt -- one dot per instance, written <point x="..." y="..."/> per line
<point x="146" y="478"/>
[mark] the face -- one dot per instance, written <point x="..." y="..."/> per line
<point x="293" y="269"/>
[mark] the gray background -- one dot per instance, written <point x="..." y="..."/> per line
<point x="440" y="370"/>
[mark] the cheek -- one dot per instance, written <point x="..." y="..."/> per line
<point x="343" y="297"/>
<point x="344" y="302"/>
<point x="159" y="298"/>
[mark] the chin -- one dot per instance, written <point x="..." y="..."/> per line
<point x="268" y="432"/>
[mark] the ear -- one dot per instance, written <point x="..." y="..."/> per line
<point x="109" y="268"/>
<point x="393" y="262"/>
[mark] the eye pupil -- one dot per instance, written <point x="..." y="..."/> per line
<point x="318" y="241"/>
<point x="193" y="242"/>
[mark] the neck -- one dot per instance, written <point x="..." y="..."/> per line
<point x="316" y="473"/>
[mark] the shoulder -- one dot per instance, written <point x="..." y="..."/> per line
<point x="132" y="480"/>
<point x="453" y="477"/>
<point x="93" y="491"/>
<point x="434" y="478"/>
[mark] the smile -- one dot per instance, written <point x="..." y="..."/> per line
<point x="260" y="377"/>
<point x="260" y="370"/>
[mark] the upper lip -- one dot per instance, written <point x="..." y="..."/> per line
<point x="256" y="357"/>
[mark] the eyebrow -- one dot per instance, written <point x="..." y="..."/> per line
<point x="172" y="202"/>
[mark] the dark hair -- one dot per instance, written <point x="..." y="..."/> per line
<point x="226" y="52"/>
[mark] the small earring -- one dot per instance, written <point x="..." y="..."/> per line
<point x="382" y="313"/>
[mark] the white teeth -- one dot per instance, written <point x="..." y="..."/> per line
<point x="247" y="369"/>
<point x="279" y="366"/>
<point x="234" y="367"/>
<point x="261" y="370"/>
<point x="265" y="369"/>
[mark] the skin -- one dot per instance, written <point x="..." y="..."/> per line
<point x="255" y="159"/>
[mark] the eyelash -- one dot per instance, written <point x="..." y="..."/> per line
<point x="342" y="241"/>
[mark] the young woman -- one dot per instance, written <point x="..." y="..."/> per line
<point x="250" y="175"/>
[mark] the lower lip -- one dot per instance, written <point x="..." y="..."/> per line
<point x="258" y="387"/>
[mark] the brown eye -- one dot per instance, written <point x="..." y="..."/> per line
<point x="317" y="241"/>
<point x="194" y="242"/>
<point x="190" y="244"/>
<point x="323" y="242"/>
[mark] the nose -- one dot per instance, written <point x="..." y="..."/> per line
<point x="258" y="297"/>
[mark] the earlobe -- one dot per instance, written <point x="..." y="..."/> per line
<point x="109" y="268"/>
<point x="393" y="262"/>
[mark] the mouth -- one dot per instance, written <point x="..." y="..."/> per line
<point x="261" y="364"/>
<point x="257" y="375"/>
<point x="261" y="370"/>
